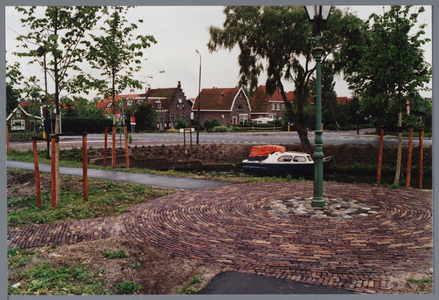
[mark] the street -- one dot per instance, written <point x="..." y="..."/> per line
<point x="152" y="139"/>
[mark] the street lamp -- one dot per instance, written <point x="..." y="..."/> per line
<point x="199" y="100"/>
<point x="317" y="14"/>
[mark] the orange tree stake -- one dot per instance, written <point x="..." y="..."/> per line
<point x="52" y="160"/>
<point x="409" y="159"/>
<point x="84" y="166"/>
<point x="380" y="154"/>
<point x="421" y="156"/>
<point x="37" y="171"/>
<point x="127" y="154"/>
<point x="105" y="146"/>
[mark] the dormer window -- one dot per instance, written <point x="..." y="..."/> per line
<point x="109" y="105"/>
<point x="239" y="106"/>
<point x="158" y="104"/>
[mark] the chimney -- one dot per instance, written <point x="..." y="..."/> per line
<point x="179" y="85"/>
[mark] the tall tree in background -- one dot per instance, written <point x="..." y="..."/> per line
<point x="275" y="39"/>
<point x="392" y="65"/>
<point x="114" y="53"/>
<point x="60" y="30"/>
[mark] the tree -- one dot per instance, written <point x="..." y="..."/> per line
<point x="12" y="96"/>
<point x="60" y="31"/>
<point x="274" y="39"/>
<point x="113" y="53"/>
<point x="146" y="116"/>
<point x="391" y="66"/>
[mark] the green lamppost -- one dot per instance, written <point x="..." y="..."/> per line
<point x="317" y="14"/>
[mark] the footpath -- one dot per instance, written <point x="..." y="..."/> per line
<point x="258" y="232"/>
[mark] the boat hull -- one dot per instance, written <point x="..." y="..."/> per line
<point x="284" y="167"/>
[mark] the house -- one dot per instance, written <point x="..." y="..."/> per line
<point x="19" y="119"/>
<point x="268" y="106"/>
<point x="170" y="103"/>
<point x="228" y="105"/>
<point x="343" y="100"/>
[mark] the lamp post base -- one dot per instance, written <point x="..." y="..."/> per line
<point x="317" y="202"/>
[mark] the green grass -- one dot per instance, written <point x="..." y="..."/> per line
<point x="189" y="287"/>
<point x="19" y="257"/>
<point x="114" y="254"/>
<point x="44" y="279"/>
<point x="106" y="198"/>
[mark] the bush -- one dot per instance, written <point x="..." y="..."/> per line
<point x="80" y="124"/>
<point x="219" y="129"/>
<point x="234" y="129"/>
<point x="181" y="124"/>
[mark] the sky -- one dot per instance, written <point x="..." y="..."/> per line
<point x="180" y="31"/>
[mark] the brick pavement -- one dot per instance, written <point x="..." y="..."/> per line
<point x="229" y="227"/>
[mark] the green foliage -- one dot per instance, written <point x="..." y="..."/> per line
<point x="135" y="265"/>
<point x="44" y="279"/>
<point x="188" y="287"/>
<point x="128" y="288"/>
<point x="181" y="124"/>
<point x="391" y="66"/>
<point x="80" y="124"/>
<point x="219" y="129"/>
<point x="114" y="254"/>
<point x="117" y="52"/>
<point x="19" y="257"/>
<point x="12" y="96"/>
<point x="275" y="39"/>
<point x="146" y="117"/>
<point x="207" y="124"/>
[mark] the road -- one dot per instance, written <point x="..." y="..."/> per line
<point x="139" y="139"/>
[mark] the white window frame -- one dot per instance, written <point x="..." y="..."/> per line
<point x="15" y="126"/>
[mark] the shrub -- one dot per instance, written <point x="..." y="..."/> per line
<point x="128" y="288"/>
<point x="219" y="129"/>
<point x="181" y="124"/>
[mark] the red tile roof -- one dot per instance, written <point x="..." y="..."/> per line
<point x="216" y="98"/>
<point x="260" y="100"/>
<point x="343" y="99"/>
<point x="103" y="103"/>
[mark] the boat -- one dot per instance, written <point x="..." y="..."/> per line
<point x="275" y="158"/>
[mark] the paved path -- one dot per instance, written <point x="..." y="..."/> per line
<point x="148" y="179"/>
<point x="229" y="226"/>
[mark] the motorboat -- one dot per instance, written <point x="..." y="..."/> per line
<point x="277" y="159"/>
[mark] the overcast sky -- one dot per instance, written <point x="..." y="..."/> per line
<point x="180" y="31"/>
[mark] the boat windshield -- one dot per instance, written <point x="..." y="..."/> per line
<point x="299" y="159"/>
<point x="285" y="158"/>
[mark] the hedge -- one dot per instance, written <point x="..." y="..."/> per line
<point x="83" y="124"/>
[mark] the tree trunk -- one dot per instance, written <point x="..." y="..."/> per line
<point x="399" y="155"/>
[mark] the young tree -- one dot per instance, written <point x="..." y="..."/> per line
<point x="275" y="39"/>
<point x="114" y="53"/>
<point x="146" y="116"/>
<point x="392" y="65"/>
<point x="59" y="31"/>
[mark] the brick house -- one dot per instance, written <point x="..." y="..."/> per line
<point x="268" y="106"/>
<point x="228" y="105"/>
<point x="19" y="119"/>
<point x="170" y="103"/>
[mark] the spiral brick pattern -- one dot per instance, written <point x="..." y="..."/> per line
<point x="229" y="227"/>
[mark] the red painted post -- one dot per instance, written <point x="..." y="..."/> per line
<point x="105" y="146"/>
<point x="409" y="159"/>
<point x="127" y="153"/>
<point x="37" y="171"/>
<point x="421" y="156"/>
<point x="380" y="154"/>
<point x="84" y="167"/>
<point x="114" y="146"/>
<point x="52" y="171"/>
<point x="7" y="140"/>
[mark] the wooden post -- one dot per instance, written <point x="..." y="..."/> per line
<point x="113" y="158"/>
<point x="127" y="153"/>
<point x="84" y="167"/>
<point x="7" y="140"/>
<point x="409" y="158"/>
<point x="105" y="146"/>
<point x="184" y="137"/>
<point x="190" y="131"/>
<point x="421" y="156"/>
<point x="37" y="171"/>
<point x="380" y="154"/>
<point x="52" y="171"/>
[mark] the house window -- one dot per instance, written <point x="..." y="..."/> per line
<point x="239" y="106"/>
<point x="161" y="123"/>
<point x="18" y="113"/>
<point x="180" y="104"/>
<point x="272" y="106"/>
<point x="158" y="104"/>
<point x="243" y="119"/>
<point x="130" y="102"/>
<point x="172" y="122"/>
<point x="18" y="125"/>
<point x="109" y="105"/>
<point x="277" y="107"/>
<point x="282" y="106"/>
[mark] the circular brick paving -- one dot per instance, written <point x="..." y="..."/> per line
<point x="229" y="226"/>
